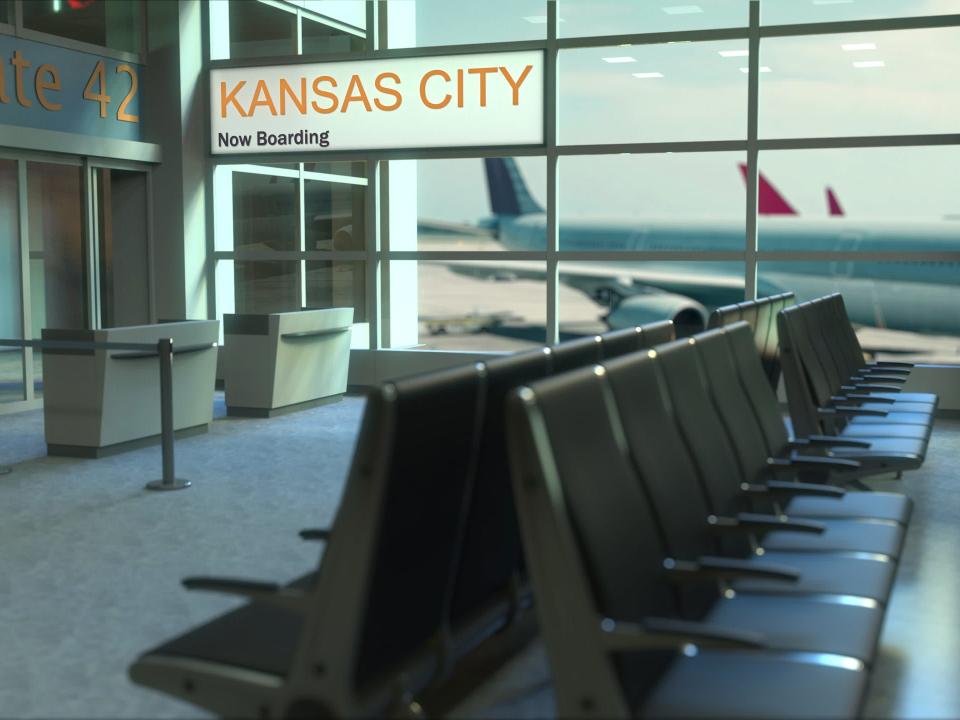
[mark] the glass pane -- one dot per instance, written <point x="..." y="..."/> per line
<point x="337" y="284"/>
<point x="776" y="12"/>
<point x="11" y="308"/>
<point x="333" y="215"/>
<point x="902" y="310"/>
<point x="471" y="204"/>
<point x="653" y="93"/>
<point x="580" y="18"/>
<point x="114" y="24"/>
<point x="6" y="11"/>
<point x="877" y="83"/>
<point x="419" y="23"/>
<point x="261" y="30"/>
<point x="867" y="199"/>
<point x="266" y="212"/>
<point x="270" y="286"/>
<point x="670" y="201"/>
<point x="342" y="167"/>
<point x="350" y="12"/>
<point x="122" y="244"/>
<point x="597" y="296"/>
<point x="320" y="38"/>
<point x="467" y="305"/>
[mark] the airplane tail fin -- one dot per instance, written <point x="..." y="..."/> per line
<point x="508" y="191"/>
<point x="769" y="199"/>
<point x="833" y="204"/>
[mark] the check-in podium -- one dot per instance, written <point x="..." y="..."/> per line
<point x="98" y="402"/>
<point x="284" y="362"/>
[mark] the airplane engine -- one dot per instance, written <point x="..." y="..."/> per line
<point x="688" y="315"/>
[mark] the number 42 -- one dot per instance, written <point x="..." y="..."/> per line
<point x="98" y="76"/>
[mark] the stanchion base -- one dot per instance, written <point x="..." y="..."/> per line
<point x="5" y="469"/>
<point x="178" y="484"/>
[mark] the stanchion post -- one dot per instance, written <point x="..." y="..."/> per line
<point x="169" y="481"/>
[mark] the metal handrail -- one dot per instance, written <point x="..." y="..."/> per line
<point x="162" y="349"/>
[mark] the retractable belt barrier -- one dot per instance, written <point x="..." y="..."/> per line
<point x="163" y="350"/>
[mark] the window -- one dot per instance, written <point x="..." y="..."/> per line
<point x="777" y="12"/>
<point x="6" y="12"/>
<point x="420" y="23"/>
<point x="11" y="308"/>
<point x="581" y="18"/>
<point x="115" y="24"/>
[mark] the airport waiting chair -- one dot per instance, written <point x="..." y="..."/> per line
<point x="371" y="631"/>
<point x="576" y="353"/>
<point x="657" y="333"/>
<point x="762" y="321"/>
<point x="621" y="342"/>
<point x="844" y="339"/>
<point x="758" y="435"/>
<point x="815" y="406"/>
<point x="721" y="474"/>
<point x="605" y="594"/>
<point x="692" y="527"/>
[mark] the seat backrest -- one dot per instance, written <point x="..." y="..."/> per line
<point x="750" y="314"/>
<point x="578" y="353"/>
<point x="752" y="383"/>
<point x="590" y="539"/>
<point x="725" y="315"/>
<point x="731" y="402"/>
<point x="846" y="336"/>
<point x="701" y="428"/>
<point x="801" y="398"/>
<point x="621" y="342"/>
<point x="657" y="333"/>
<point x="492" y="559"/>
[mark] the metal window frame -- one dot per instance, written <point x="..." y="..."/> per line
<point x="378" y="253"/>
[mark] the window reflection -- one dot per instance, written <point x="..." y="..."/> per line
<point x="265" y="212"/>
<point x="115" y="24"/>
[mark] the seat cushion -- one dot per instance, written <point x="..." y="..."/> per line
<point x="755" y="684"/>
<point x="925" y="398"/>
<point x="789" y="622"/>
<point x="876" y="505"/>
<point x="898" y="406"/>
<point x="864" y="431"/>
<point x="867" y="576"/>
<point x="891" y="417"/>
<point x="874" y="536"/>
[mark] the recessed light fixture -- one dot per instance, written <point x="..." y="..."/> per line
<point x="682" y="9"/>
<point x="832" y="2"/>
<point x="733" y="53"/>
<point x="645" y="75"/>
<point x="620" y="59"/>
<point x="540" y="19"/>
<point x="762" y="68"/>
<point x="869" y="63"/>
<point x="854" y="47"/>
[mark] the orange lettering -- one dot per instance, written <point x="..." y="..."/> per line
<point x="287" y="91"/>
<point x="389" y="91"/>
<point x="516" y="85"/>
<point x="355" y="91"/>
<point x="266" y="101"/>
<point x="41" y="86"/>
<point x="231" y="98"/>
<point x="423" y="90"/>
<point x="482" y="72"/>
<point x="325" y="94"/>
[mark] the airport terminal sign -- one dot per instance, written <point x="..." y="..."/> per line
<point x="453" y="100"/>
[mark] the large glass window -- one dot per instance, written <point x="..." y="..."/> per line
<point x="6" y="11"/>
<point x="11" y="308"/>
<point x="580" y="18"/>
<point x="653" y="93"/>
<point x="116" y="24"/>
<point x="782" y="12"/>
<point x="419" y="23"/>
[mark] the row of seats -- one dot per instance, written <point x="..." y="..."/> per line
<point x="680" y="566"/>
<point x="761" y="315"/>
<point x="421" y="589"/>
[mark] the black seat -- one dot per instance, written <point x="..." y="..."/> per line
<point x="621" y="342"/>
<point x="608" y="617"/>
<point x="576" y="353"/>
<point x="376" y="616"/>
<point x="657" y="333"/>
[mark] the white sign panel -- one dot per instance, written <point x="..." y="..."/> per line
<point x="452" y="100"/>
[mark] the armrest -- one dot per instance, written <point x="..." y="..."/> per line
<point x="892" y="364"/>
<point x="719" y="568"/>
<point x="654" y="633"/>
<point x="257" y="591"/>
<point x="751" y="522"/>
<point x="851" y="411"/>
<point x="877" y="387"/>
<point x="315" y="534"/>
<point x="810" y="462"/>
<point x="826" y="441"/>
<point x="875" y="378"/>
<point x="790" y="488"/>
<point x="870" y="369"/>
<point x="863" y="397"/>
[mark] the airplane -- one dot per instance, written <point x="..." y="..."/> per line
<point x="918" y="296"/>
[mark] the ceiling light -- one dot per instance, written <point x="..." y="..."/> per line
<point x="682" y="9"/>
<point x="762" y="68"/>
<point x="644" y="75"/>
<point x="869" y="63"/>
<point x="733" y="53"/>
<point x="620" y="59"/>
<point x="832" y="2"/>
<point x="854" y="47"/>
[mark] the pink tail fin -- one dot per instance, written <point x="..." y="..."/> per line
<point x="769" y="199"/>
<point x="833" y="204"/>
